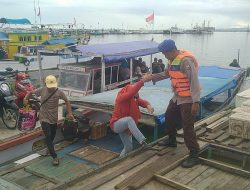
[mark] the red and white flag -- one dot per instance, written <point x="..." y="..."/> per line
<point x="150" y="18"/>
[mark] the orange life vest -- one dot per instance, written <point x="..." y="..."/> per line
<point x="179" y="80"/>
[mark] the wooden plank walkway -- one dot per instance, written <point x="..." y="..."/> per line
<point x="67" y="170"/>
<point x="153" y="169"/>
<point x="95" y="154"/>
<point x="6" y="185"/>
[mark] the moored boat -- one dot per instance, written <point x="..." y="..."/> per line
<point x="104" y="101"/>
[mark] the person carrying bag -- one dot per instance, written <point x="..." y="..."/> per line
<point x="48" y="114"/>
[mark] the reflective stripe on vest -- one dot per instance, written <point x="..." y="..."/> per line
<point x="179" y="80"/>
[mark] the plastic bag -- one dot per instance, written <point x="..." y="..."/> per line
<point x="27" y="119"/>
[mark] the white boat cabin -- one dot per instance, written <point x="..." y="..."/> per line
<point x="81" y="79"/>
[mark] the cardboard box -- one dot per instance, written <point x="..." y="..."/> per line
<point x="239" y="125"/>
<point x="242" y="97"/>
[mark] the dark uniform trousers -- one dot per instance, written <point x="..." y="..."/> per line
<point x="181" y="115"/>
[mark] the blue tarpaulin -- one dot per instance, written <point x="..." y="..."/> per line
<point x="214" y="80"/>
<point x="15" y="21"/>
<point x="119" y="51"/>
<point x="60" y="41"/>
<point x="219" y="72"/>
<point x="4" y="36"/>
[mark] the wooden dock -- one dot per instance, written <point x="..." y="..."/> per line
<point x="225" y="164"/>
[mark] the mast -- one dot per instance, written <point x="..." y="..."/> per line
<point x="39" y="14"/>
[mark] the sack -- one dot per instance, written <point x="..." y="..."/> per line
<point x="69" y="129"/>
<point x="27" y="119"/>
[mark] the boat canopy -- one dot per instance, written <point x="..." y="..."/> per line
<point x="60" y="41"/>
<point x="15" y="21"/>
<point x="213" y="80"/>
<point x="119" y="51"/>
<point x="4" y="36"/>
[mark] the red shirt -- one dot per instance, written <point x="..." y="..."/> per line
<point x="127" y="105"/>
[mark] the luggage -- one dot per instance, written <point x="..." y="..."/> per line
<point x="69" y="129"/>
<point x="83" y="126"/>
<point x="27" y="119"/>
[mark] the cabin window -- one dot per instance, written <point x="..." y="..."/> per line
<point x="97" y="81"/>
<point x="20" y="38"/>
<point x="107" y="75"/>
<point x="39" y="38"/>
<point x="73" y="80"/>
<point x="28" y="38"/>
<point x="114" y="74"/>
<point x="90" y="82"/>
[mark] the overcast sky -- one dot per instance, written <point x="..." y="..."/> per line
<point x="131" y="14"/>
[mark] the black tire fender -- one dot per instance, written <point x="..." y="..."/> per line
<point x="26" y="62"/>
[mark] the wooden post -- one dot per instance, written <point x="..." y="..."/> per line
<point x="201" y="111"/>
<point x="239" y="56"/>
<point x="103" y="75"/>
<point x="111" y="75"/>
<point x="131" y="71"/>
<point x="117" y="75"/>
<point x="151" y="62"/>
<point x="40" y="68"/>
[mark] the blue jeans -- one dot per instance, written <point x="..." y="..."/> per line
<point x="121" y="126"/>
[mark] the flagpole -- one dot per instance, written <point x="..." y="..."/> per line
<point x="35" y="10"/>
<point x="153" y="19"/>
<point x="36" y="22"/>
<point x="40" y="17"/>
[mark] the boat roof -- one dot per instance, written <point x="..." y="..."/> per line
<point x="112" y="52"/>
<point x="4" y="36"/>
<point x="60" y="41"/>
<point x="14" y="21"/>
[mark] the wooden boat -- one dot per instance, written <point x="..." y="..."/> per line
<point x="19" y="143"/>
<point x="218" y="90"/>
<point x="93" y="102"/>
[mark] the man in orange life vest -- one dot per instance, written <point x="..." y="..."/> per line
<point x="183" y="107"/>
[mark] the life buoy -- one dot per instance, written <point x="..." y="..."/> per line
<point x="26" y="62"/>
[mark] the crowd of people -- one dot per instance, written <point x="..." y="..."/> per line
<point x="158" y="66"/>
<point x="139" y="68"/>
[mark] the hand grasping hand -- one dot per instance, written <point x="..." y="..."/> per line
<point x="147" y="77"/>
<point x="150" y="109"/>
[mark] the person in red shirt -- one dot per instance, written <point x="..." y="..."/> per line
<point x="127" y="113"/>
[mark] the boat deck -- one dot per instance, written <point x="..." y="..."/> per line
<point x="7" y="133"/>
